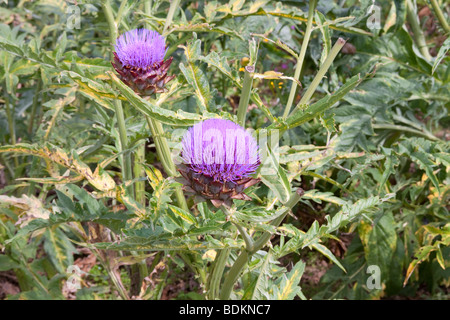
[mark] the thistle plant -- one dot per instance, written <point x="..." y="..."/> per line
<point x="219" y="158"/>
<point x="108" y="193"/>
<point x="139" y="60"/>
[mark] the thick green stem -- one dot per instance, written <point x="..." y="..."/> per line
<point x="164" y="154"/>
<point x="233" y="275"/>
<point x="126" y="158"/>
<point x="301" y="57"/>
<point x="10" y="114"/>
<point x="148" y="6"/>
<point x="245" y="95"/>
<point x="162" y="147"/>
<point x="440" y="15"/>
<point x="82" y="104"/>
<point x="241" y="261"/>
<point x="249" y="245"/>
<point x="34" y="107"/>
<point x="138" y="170"/>
<point x="417" y="31"/>
<point x="217" y="273"/>
<point x="318" y="78"/>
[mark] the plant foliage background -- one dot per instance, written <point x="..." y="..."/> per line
<point x="369" y="149"/>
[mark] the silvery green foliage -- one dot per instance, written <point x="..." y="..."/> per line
<point x="370" y="151"/>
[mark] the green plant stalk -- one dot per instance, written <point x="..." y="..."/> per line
<point x="216" y="274"/>
<point x="126" y="157"/>
<point x="120" y="12"/>
<point x="11" y="124"/>
<point x="241" y="261"/>
<point x="322" y="71"/>
<point x="417" y="31"/>
<point x="233" y="275"/>
<point x="174" y="4"/>
<point x="245" y="95"/>
<point x="138" y="170"/>
<point x="157" y="130"/>
<point x="440" y="15"/>
<point x="163" y="151"/>
<point x="301" y="57"/>
<point x="148" y="7"/>
<point x="249" y="245"/>
<point x="82" y="105"/>
<point x="34" y="107"/>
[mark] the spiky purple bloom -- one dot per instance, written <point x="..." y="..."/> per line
<point x="140" y="48"/>
<point x="139" y="60"/>
<point x="220" y="149"/>
<point x="219" y="157"/>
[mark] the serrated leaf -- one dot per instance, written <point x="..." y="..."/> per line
<point x="289" y="286"/>
<point x="59" y="249"/>
<point x="179" y="118"/>
<point x="441" y="54"/>
<point x="99" y="178"/>
<point x="183" y="214"/>
<point x="319" y="196"/>
<point x="274" y="176"/>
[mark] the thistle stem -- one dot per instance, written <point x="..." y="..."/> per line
<point x="164" y="154"/>
<point x="301" y="57"/>
<point x="217" y="273"/>
<point x="126" y="157"/>
<point x="322" y="71"/>
<point x="138" y="171"/>
<point x="440" y="15"/>
<point x="10" y="114"/>
<point x="156" y="128"/>
<point x="34" y="107"/>
<point x="245" y="95"/>
<point x="233" y="275"/>
<point x="417" y="31"/>
<point x="241" y="261"/>
<point x="148" y="6"/>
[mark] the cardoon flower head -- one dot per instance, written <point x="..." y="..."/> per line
<point x="139" y="60"/>
<point x="219" y="158"/>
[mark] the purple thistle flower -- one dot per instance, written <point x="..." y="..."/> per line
<point x="219" y="157"/>
<point x="139" y="60"/>
<point x="140" y="48"/>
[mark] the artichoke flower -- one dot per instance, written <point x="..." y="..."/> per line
<point x="219" y="158"/>
<point x="139" y="61"/>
